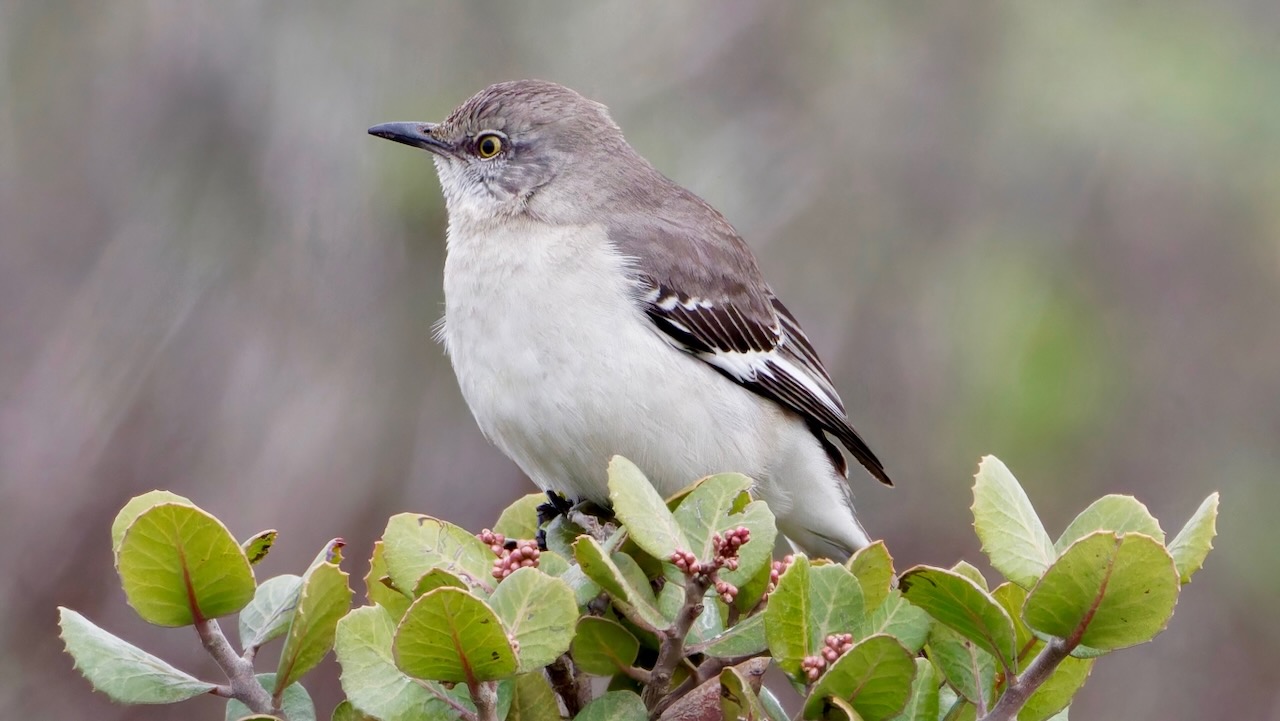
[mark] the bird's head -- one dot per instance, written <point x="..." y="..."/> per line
<point x="527" y="146"/>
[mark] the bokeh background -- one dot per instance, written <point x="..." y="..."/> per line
<point x="1048" y="231"/>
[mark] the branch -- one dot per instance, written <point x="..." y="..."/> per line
<point x="1020" y="689"/>
<point x="244" y="685"/>
<point x="484" y="694"/>
<point x="567" y="685"/>
<point x="671" y="640"/>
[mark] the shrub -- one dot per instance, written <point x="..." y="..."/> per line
<point x="673" y="609"/>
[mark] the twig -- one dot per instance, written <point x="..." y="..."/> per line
<point x="639" y="675"/>
<point x="567" y="685"/>
<point x="671" y="641"/>
<point x="244" y="686"/>
<point x="484" y="694"/>
<point x="592" y="525"/>
<point x="1021" y="688"/>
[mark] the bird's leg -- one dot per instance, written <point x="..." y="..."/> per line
<point x="592" y="518"/>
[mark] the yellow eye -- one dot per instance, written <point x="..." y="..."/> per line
<point x="488" y="145"/>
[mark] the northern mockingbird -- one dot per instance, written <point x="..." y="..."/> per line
<point x="594" y="307"/>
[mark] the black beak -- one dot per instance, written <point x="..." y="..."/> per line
<point x="416" y="134"/>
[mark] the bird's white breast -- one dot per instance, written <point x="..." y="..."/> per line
<point x="562" y="370"/>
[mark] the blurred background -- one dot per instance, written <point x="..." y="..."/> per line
<point x="1047" y="231"/>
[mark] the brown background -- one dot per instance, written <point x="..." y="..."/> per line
<point x="1048" y="231"/>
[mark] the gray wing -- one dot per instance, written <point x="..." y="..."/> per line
<point x="709" y="299"/>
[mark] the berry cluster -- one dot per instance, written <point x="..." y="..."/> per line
<point x="727" y="591"/>
<point x="726" y="546"/>
<point x="778" y="568"/>
<point x="511" y="555"/>
<point x="724" y="556"/>
<point x="836" y="645"/>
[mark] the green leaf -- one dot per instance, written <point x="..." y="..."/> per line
<point x="702" y="513"/>
<point x="271" y="611"/>
<point x="840" y="710"/>
<point x="136" y="507"/>
<point x="344" y="711"/>
<point x="950" y="703"/>
<point x="331" y="553"/>
<point x="638" y="603"/>
<point x="896" y="617"/>
<point x="179" y="565"/>
<point x="1011" y="597"/>
<point x="642" y="511"/>
<point x="1056" y="692"/>
<point x="875" y="677"/>
<point x="552" y="563"/>
<point x="121" y="670"/>
<point x="772" y="706"/>
<point x="1193" y="543"/>
<point x="258" y="545"/>
<point x="971" y="572"/>
<point x="922" y="705"/>
<point x="371" y="680"/>
<point x="1122" y="514"/>
<point x="450" y="635"/>
<point x="970" y="670"/>
<point x="835" y="603"/>
<point x="873" y="567"/>
<point x="438" y="578"/>
<point x="1011" y="533"/>
<point x="745" y="638"/>
<point x="603" y="647"/>
<point x="561" y="533"/>
<point x="533" y="699"/>
<point x="752" y="590"/>
<point x="962" y="605"/>
<point x="634" y="577"/>
<point x="755" y="557"/>
<point x="520" y="519"/>
<point x="670" y="598"/>
<point x="810" y="603"/>
<point x="710" y="623"/>
<point x="1107" y="591"/>
<point x="961" y="710"/>
<point x="584" y="589"/>
<point x="295" y="703"/>
<point x="324" y="598"/>
<point x="727" y="695"/>
<point x="539" y="613"/>
<point x="414" y="544"/>
<point x="786" y="618"/>
<point x="738" y="698"/>
<point x="614" y="706"/>
<point x="376" y="588"/>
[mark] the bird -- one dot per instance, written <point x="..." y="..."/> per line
<point x="595" y="307"/>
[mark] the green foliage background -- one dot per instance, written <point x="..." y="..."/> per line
<point x="1045" y="231"/>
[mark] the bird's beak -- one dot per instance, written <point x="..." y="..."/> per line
<point x="416" y="134"/>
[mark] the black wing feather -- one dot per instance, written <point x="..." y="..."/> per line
<point x="712" y="330"/>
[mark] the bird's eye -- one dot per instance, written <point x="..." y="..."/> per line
<point x="488" y="145"/>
